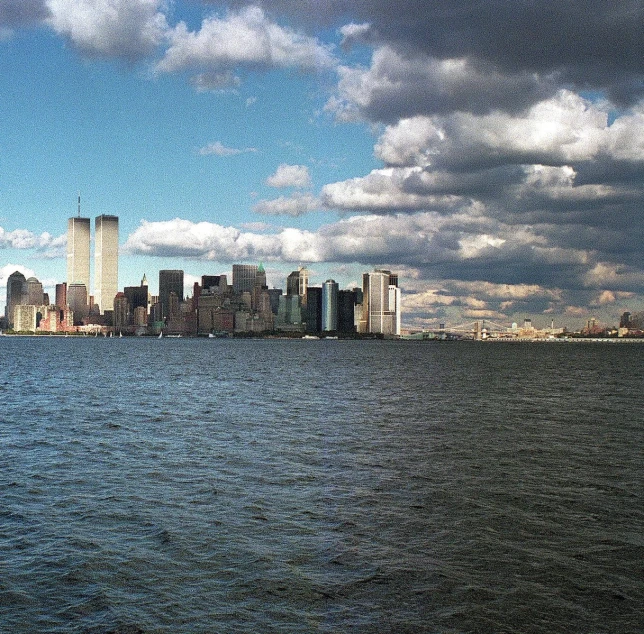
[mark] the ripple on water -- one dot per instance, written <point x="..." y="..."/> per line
<point x="280" y="487"/>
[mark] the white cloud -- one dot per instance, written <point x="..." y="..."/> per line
<point x="246" y="37"/>
<point x="383" y="190"/>
<point x="560" y="130"/>
<point x="219" y="149"/>
<point x="609" y="275"/>
<point x="353" y="33"/>
<point x="296" y="205"/>
<point x="127" y="29"/>
<point x="45" y="243"/>
<point x="210" y="241"/>
<point x="290" y="176"/>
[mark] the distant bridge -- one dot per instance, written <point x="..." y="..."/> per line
<point x="478" y="329"/>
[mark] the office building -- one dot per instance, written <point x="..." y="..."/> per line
<point x="170" y="281"/>
<point x="77" y="300"/>
<point x="346" y="311"/>
<point x="289" y="314"/>
<point x="61" y="295"/>
<point x="274" y="295"/>
<point x="214" y="284"/>
<point x="137" y="296"/>
<point x="297" y="282"/>
<point x="35" y="295"/>
<point x="330" y="306"/>
<point x="244" y="277"/>
<point x="121" y="309"/>
<point x="106" y="261"/>
<point x="16" y="292"/>
<point x="78" y="238"/>
<point x="381" y="303"/>
<point x="25" y="318"/>
<point x="313" y="311"/>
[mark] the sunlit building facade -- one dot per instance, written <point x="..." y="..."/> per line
<point x="106" y="261"/>
<point x="381" y="312"/>
<point x="78" y="239"/>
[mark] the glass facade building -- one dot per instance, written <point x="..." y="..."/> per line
<point x="330" y="306"/>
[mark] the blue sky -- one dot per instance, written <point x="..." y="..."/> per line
<point x="499" y="172"/>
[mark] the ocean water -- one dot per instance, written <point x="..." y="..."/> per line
<point x="225" y="486"/>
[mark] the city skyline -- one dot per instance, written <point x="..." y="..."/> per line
<point x="499" y="173"/>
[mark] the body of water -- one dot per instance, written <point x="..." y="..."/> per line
<point x="195" y="486"/>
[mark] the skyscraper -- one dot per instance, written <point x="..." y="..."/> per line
<point x="297" y="283"/>
<point x="16" y="292"/>
<point x="381" y="303"/>
<point x="106" y="261"/>
<point x="78" y="233"/>
<point x="330" y="306"/>
<point x="313" y="312"/>
<point x="244" y="277"/>
<point x="77" y="301"/>
<point x="170" y="281"/>
<point x="346" y="302"/>
<point x="35" y="295"/>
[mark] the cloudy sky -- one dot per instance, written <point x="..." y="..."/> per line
<point x="492" y="153"/>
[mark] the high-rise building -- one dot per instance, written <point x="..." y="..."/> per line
<point x="16" y="291"/>
<point x="214" y="284"/>
<point x="346" y="305"/>
<point x="274" y="295"/>
<point x="35" y="295"/>
<point x="297" y="282"/>
<point x="136" y="296"/>
<point x="260" y="278"/>
<point x="121" y="311"/>
<point x="61" y="295"/>
<point x="77" y="300"/>
<point x="330" y="306"/>
<point x="106" y="261"/>
<point x="170" y="281"/>
<point x="313" y="312"/>
<point x="78" y="237"/>
<point x="244" y="277"/>
<point x="16" y="294"/>
<point x="381" y="303"/>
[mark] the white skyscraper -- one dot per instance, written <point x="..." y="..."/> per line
<point x="106" y="261"/>
<point x="381" y="303"/>
<point x="78" y="234"/>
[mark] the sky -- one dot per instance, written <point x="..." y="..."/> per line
<point x="491" y="153"/>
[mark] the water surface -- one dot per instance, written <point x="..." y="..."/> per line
<point x="193" y="486"/>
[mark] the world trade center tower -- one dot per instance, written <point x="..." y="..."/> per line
<point x="78" y="234"/>
<point x="106" y="261"/>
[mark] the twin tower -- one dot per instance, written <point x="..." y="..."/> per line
<point x="106" y="258"/>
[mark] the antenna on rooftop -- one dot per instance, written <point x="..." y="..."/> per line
<point x="79" y="204"/>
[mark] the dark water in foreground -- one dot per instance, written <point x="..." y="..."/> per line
<point x="192" y="486"/>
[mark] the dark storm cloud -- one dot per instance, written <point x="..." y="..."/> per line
<point x="590" y="43"/>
